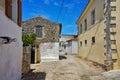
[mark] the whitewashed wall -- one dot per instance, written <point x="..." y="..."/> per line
<point x="74" y="47"/>
<point x="69" y="48"/>
<point x="10" y="54"/>
<point x="49" y="51"/>
<point x="63" y="41"/>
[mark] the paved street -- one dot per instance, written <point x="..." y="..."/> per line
<point x="72" y="68"/>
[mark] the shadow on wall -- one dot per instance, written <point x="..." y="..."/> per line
<point x="34" y="75"/>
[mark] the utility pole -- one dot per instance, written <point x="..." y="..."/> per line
<point x="109" y="62"/>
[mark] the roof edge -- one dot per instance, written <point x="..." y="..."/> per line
<point x="85" y="9"/>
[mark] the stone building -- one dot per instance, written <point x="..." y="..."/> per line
<point x="10" y="40"/>
<point x="46" y="31"/>
<point x="92" y="27"/>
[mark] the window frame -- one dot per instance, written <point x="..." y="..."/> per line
<point x="93" y="40"/>
<point x="93" y="17"/>
<point x="85" y="24"/>
<point x="85" y="42"/>
<point x="41" y="29"/>
<point x="80" y="43"/>
<point x="80" y="28"/>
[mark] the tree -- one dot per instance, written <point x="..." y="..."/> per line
<point x="28" y="39"/>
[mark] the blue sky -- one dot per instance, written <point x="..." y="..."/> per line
<point x="50" y="9"/>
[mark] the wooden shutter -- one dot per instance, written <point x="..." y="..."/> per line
<point x="8" y="8"/>
<point x="19" y="12"/>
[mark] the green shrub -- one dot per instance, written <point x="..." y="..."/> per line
<point x="28" y="39"/>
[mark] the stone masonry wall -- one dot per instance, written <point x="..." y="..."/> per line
<point x="51" y="30"/>
<point x="26" y="59"/>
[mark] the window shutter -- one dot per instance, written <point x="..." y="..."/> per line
<point x="19" y="12"/>
<point x="8" y="8"/>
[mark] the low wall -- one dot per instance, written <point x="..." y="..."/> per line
<point x="26" y="59"/>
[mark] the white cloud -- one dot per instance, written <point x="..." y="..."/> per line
<point x="46" y="1"/>
<point x="69" y="6"/>
<point x="56" y="4"/>
<point x="51" y="2"/>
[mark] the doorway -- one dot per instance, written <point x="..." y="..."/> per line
<point x="32" y="56"/>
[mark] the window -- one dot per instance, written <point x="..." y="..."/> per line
<point x="85" y="42"/>
<point x="80" y="28"/>
<point x="85" y="24"/>
<point x="113" y="8"/>
<point x="13" y="10"/>
<point x="104" y="38"/>
<point x="104" y="30"/>
<point x="113" y="41"/>
<point x="104" y="46"/>
<point x="93" y="40"/>
<point x="93" y="17"/>
<point x="64" y="46"/>
<point x="113" y="18"/>
<point x="113" y="25"/>
<point x="113" y="33"/>
<point x="112" y="0"/>
<point x="81" y="43"/>
<point x="39" y="31"/>
<point x="8" y="9"/>
<point x="113" y="51"/>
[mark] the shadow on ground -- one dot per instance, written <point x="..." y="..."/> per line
<point x="34" y="76"/>
<point x="62" y="57"/>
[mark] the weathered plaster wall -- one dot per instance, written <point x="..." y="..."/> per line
<point x="94" y="52"/>
<point x="10" y="54"/>
<point x="117" y="36"/>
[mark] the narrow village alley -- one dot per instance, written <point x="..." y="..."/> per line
<point x="71" y="68"/>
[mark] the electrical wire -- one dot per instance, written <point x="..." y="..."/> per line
<point x="60" y="10"/>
